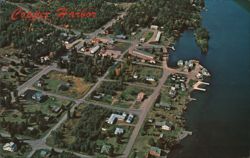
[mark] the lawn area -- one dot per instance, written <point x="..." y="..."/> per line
<point x="134" y="73"/>
<point x="66" y="85"/>
<point x="87" y="131"/>
<point x="15" y="73"/>
<point x="121" y="46"/>
<point x="112" y="93"/>
<point x="31" y="118"/>
<point x="148" y="35"/>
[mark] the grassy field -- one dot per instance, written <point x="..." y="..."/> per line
<point x="77" y="89"/>
<point x="124" y="98"/>
<point x="148" y="35"/>
<point x="121" y="46"/>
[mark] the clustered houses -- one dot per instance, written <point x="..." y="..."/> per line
<point x="178" y="82"/>
<point x="120" y="117"/>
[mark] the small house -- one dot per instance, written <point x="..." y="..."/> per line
<point x="38" y="96"/>
<point x="106" y="149"/>
<point x="155" y="151"/>
<point x="130" y="118"/>
<point x="119" y="131"/>
<point x="11" y="147"/>
<point x="140" y="97"/>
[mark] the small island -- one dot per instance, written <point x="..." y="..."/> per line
<point x="201" y="38"/>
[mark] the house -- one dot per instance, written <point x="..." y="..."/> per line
<point x="119" y="131"/>
<point x="4" y="68"/>
<point x="121" y="37"/>
<point x="172" y="93"/>
<point x="155" y="151"/>
<point x="142" y="40"/>
<point x="114" y="117"/>
<point x="106" y="149"/>
<point x="140" y="97"/>
<point x="11" y="147"/>
<point x="130" y="118"/>
<point x="151" y="79"/>
<point x="93" y="50"/>
<point x="38" y="96"/>
<point x="180" y="63"/>
<point x="133" y="33"/>
<point x="44" y="153"/>
<point x="154" y="27"/>
<point x="143" y="55"/>
<point x="162" y="105"/>
<point x="163" y="125"/>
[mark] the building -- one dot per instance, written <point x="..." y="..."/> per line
<point x="121" y="37"/>
<point x="142" y="40"/>
<point x="11" y="147"/>
<point x="130" y="118"/>
<point x="93" y="50"/>
<point x="106" y="149"/>
<point x="154" y="27"/>
<point x="112" y="53"/>
<point x="158" y="36"/>
<point x="38" y="96"/>
<point x="140" y="97"/>
<point x="151" y="79"/>
<point x="155" y="151"/>
<point x="163" y="125"/>
<point x="172" y="93"/>
<point x="143" y="55"/>
<point x="114" y="117"/>
<point x="119" y="131"/>
<point x="162" y="105"/>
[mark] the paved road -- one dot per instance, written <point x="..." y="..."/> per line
<point x="146" y="106"/>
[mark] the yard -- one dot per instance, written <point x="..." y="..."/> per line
<point x="125" y="95"/>
<point x="63" y="84"/>
<point x="22" y="152"/>
<point x="137" y="74"/>
<point x="150" y="135"/>
<point x="16" y="73"/>
<point x="33" y="118"/>
<point x="90" y="120"/>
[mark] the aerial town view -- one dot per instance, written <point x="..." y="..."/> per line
<point x="124" y="78"/>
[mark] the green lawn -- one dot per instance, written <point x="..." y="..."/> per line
<point x="78" y="88"/>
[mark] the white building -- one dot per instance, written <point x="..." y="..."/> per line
<point x="11" y="147"/>
<point x="154" y="27"/>
<point x="111" y="120"/>
<point x="130" y="118"/>
<point x="119" y="131"/>
<point x="93" y="50"/>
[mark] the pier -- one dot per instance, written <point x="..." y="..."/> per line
<point x="197" y="84"/>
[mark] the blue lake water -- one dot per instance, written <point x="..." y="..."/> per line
<point x="220" y="118"/>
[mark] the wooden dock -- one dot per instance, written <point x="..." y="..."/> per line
<point x="197" y="84"/>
